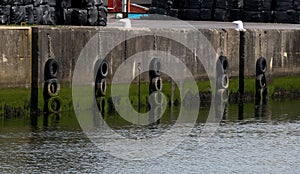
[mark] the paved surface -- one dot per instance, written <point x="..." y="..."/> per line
<point x="200" y="24"/>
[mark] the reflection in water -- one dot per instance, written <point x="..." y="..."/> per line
<point x="261" y="111"/>
<point x="241" y="111"/>
<point x="51" y="119"/>
<point x="40" y="148"/>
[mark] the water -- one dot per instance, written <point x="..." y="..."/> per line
<point x="264" y="142"/>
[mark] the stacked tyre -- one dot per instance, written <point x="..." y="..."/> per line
<point x="281" y="11"/>
<point x="235" y="10"/>
<point x="52" y="101"/>
<point x="257" y="11"/>
<point x="82" y="12"/>
<point x="28" y="11"/>
<point x="261" y="82"/>
<point x="52" y="12"/>
<point x="286" y="11"/>
<point x="165" y="7"/>
<point x="101" y="71"/>
<point x="156" y="83"/>
<point x="222" y="82"/>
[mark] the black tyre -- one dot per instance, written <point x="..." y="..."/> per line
<point x="261" y="82"/>
<point x="261" y="65"/>
<point x="252" y="16"/>
<point x="101" y="69"/>
<point x="100" y="87"/>
<point x="65" y="4"/>
<point x="235" y="4"/>
<point x="157" y="10"/>
<point x="222" y="65"/>
<point x="157" y="84"/>
<point x="192" y="4"/>
<point x="4" y="14"/>
<point x="38" y="15"/>
<point x="102" y="16"/>
<point x="165" y="4"/>
<point x="224" y="81"/>
<point x="222" y="95"/>
<point x="52" y="3"/>
<point x="252" y="5"/>
<point x="158" y="98"/>
<point x="207" y="4"/>
<point x="79" y="17"/>
<point x="222" y="4"/>
<point x="284" y="16"/>
<point x="17" y="14"/>
<point x="283" y="5"/>
<point x="235" y="14"/>
<point x="92" y="16"/>
<point x="54" y="105"/>
<point x="29" y="17"/>
<point x="51" y="69"/>
<point x="27" y="2"/>
<point x="191" y="14"/>
<point x="220" y="15"/>
<point x="51" y="88"/>
<point x="5" y="2"/>
<point x="206" y="14"/>
<point x="155" y="68"/>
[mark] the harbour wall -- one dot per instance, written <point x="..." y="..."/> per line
<point x="25" y="50"/>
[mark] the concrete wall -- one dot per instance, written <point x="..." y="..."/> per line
<point x="15" y="57"/>
<point x="281" y="48"/>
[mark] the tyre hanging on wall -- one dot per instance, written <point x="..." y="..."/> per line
<point x="51" y="88"/>
<point x="101" y="69"/>
<point x="155" y="68"/>
<point x="100" y="87"/>
<point x="51" y="69"/>
<point x="261" y="65"/>
<point x="157" y="84"/>
<point x="54" y="105"/>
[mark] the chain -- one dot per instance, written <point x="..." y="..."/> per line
<point x="50" y="50"/>
<point x="125" y="45"/>
<point x="260" y="44"/>
<point x="221" y="45"/>
<point x="155" y="43"/>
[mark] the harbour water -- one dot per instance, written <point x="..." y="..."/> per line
<point x="265" y="140"/>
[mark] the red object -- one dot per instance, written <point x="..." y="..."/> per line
<point x="115" y="6"/>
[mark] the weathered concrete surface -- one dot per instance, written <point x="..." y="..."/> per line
<point x="15" y="57"/>
<point x="280" y="47"/>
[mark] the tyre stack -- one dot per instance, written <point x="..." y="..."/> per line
<point x="261" y="82"/>
<point x="155" y="76"/>
<point x="221" y="11"/>
<point x="82" y="12"/>
<point x="52" y="101"/>
<point x="222" y="82"/>
<point x="191" y="10"/>
<point x="155" y="88"/>
<point x="235" y="10"/>
<point x="198" y="10"/>
<point x="164" y="7"/>
<point x="278" y="11"/>
<point x="52" y="12"/>
<point x="286" y="11"/>
<point x="257" y="11"/>
<point x="28" y="11"/>
<point x="101" y="70"/>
